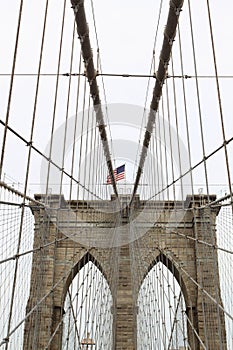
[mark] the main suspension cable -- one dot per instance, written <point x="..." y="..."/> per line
<point x="83" y="32"/>
<point x="169" y="35"/>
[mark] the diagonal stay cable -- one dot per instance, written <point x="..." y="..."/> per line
<point x="83" y="33"/>
<point x="169" y="35"/>
<point x="43" y="155"/>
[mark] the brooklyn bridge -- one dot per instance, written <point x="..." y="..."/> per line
<point x="116" y="174"/>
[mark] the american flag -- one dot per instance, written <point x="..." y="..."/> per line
<point x="119" y="174"/>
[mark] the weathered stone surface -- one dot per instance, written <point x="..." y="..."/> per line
<point x="59" y="262"/>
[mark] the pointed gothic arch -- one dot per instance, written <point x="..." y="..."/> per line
<point x="167" y="261"/>
<point x="87" y="296"/>
<point x="162" y="284"/>
<point x="87" y="257"/>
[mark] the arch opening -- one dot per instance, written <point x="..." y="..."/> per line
<point x="87" y="320"/>
<point x="161" y="318"/>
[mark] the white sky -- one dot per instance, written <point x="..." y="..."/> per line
<point x="126" y="32"/>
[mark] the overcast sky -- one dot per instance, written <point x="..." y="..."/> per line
<point x="126" y="33"/>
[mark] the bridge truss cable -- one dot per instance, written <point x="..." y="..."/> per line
<point x="169" y="35"/>
<point x="83" y="32"/>
<point x="175" y="272"/>
<point x="152" y="67"/>
<point x="17" y="222"/>
<point x="167" y="186"/>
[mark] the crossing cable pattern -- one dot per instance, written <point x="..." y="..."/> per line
<point x="82" y="29"/>
<point x="13" y="319"/>
<point x="175" y="259"/>
<point x="174" y="186"/>
<point x="169" y="34"/>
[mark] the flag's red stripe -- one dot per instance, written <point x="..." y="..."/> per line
<point x="120" y="176"/>
<point x="117" y="177"/>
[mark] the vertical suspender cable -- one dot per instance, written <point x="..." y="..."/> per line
<point x="83" y="32"/>
<point x="12" y="299"/>
<point x="219" y="101"/>
<point x="11" y="88"/>
<point x="169" y="35"/>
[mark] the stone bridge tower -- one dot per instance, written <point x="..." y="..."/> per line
<point x="190" y="262"/>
